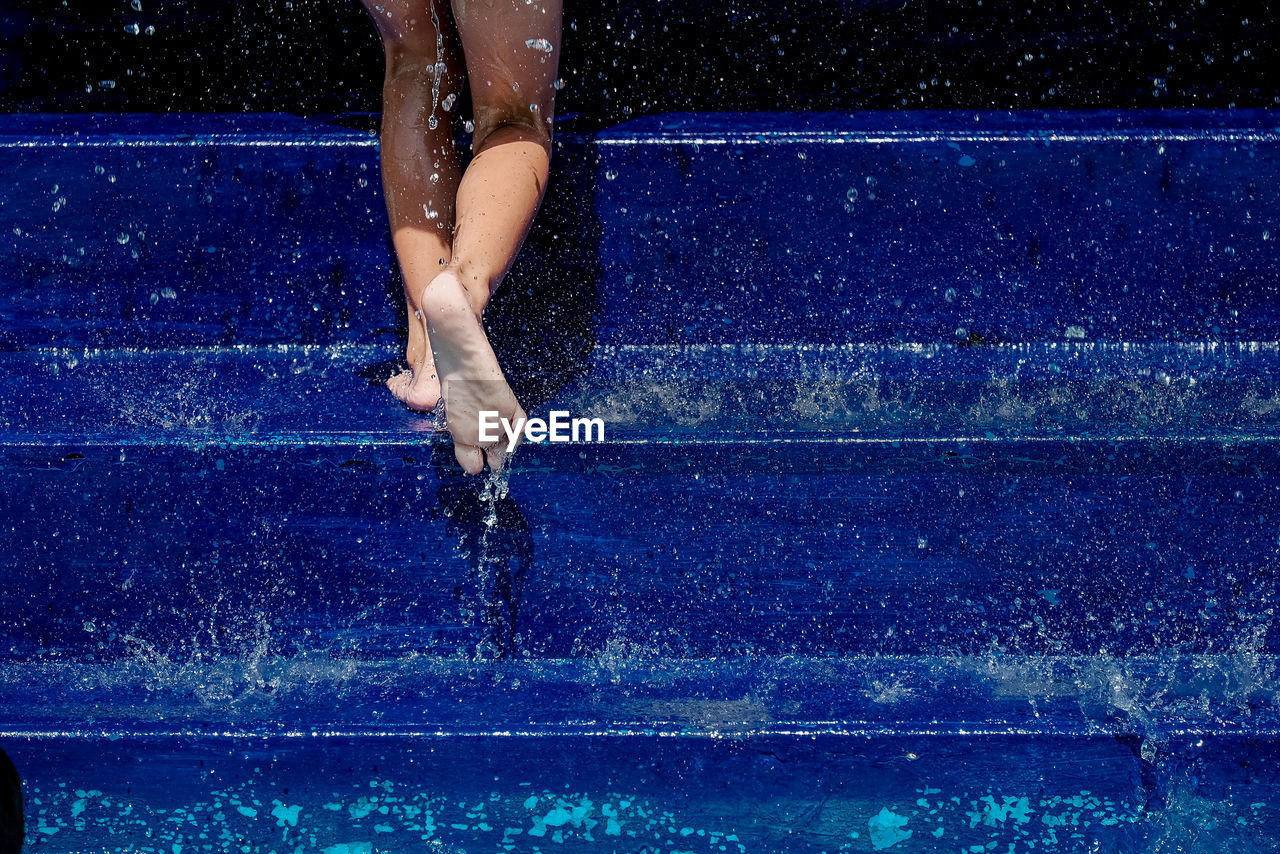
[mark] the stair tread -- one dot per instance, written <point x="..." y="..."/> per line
<point x="922" y="125"/>
<point x="739" y="393"/>
<point x="73" y="130"/>
<point x="640" y="694"/>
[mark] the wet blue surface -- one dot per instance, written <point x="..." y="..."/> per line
<point x="918" y="227"/>
<point x="944" y="227"/>
<point x="766" y="794"/>
<point x="949" y="504"/>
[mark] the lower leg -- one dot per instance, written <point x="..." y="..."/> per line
<point x="420" y="170"/>
<point x="511" y="52"/>
<point x="497" y="199"/>
<point x="496" y="203"/>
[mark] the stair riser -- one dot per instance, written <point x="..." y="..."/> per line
<point x="722" y="237"/>
<point x="169" y="239"/>
<point x="680" y="231"/>
<point x="915" y="549"/>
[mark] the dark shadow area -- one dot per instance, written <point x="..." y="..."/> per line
<point x="11" y="820"/>
<point x="497" y="544"/>
<point x="623" y="58"/>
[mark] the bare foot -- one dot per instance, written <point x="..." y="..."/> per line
<point x="470" y="377"/>
<point x="417" y="388"/>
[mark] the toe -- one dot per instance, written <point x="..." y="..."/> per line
<point x="521" y="419"/>
<point x="469" y="457"/>
<point x="399" y="384"/>
<point x="497" y="454"/>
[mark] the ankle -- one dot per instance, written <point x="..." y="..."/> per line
<point x="475" y="285"/>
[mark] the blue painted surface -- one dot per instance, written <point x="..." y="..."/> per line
<point x="1012" y="584"/>
<point x="943" y="795"/>
<point x="712" y="229"/>
<point x="940" y="227"/>
<point x="164" y="230"/>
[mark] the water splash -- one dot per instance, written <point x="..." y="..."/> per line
<point x="437" y="70"/>
<point x="496" y="542"/>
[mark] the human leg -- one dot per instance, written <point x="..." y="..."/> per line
<point x="420" y="170"/>
<point x="512" y="50"/>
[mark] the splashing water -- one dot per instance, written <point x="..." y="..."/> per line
<point x="496" y="487"/>
<point x="437" y="70"/>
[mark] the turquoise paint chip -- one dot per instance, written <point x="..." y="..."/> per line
<point x="286" y="815"/>
<point x="886" y="829"/>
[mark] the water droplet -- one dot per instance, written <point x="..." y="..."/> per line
<point x="469" y="126"/>
<point x="539" y="44"/>
<point x="558" y="84"/>
<point x="132" y="29"/>
<point x="852" y="195"/>
<point x="435" y="177"/>
<point x="122" y="238"/>
<point x="610" y="175"/>
<point x="449" y="101"/>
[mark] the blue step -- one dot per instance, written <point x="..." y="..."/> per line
<point x="162" y="230"/>
<point x="965" y="511"/>
<point x="955" y="227"/>
<point x="700" y="229"/>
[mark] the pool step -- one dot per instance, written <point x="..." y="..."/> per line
<point x="693" y="395"/>
<point x="134" y="688"/>
<point x="225" y="520"/>
<point x="679" y="229"/>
